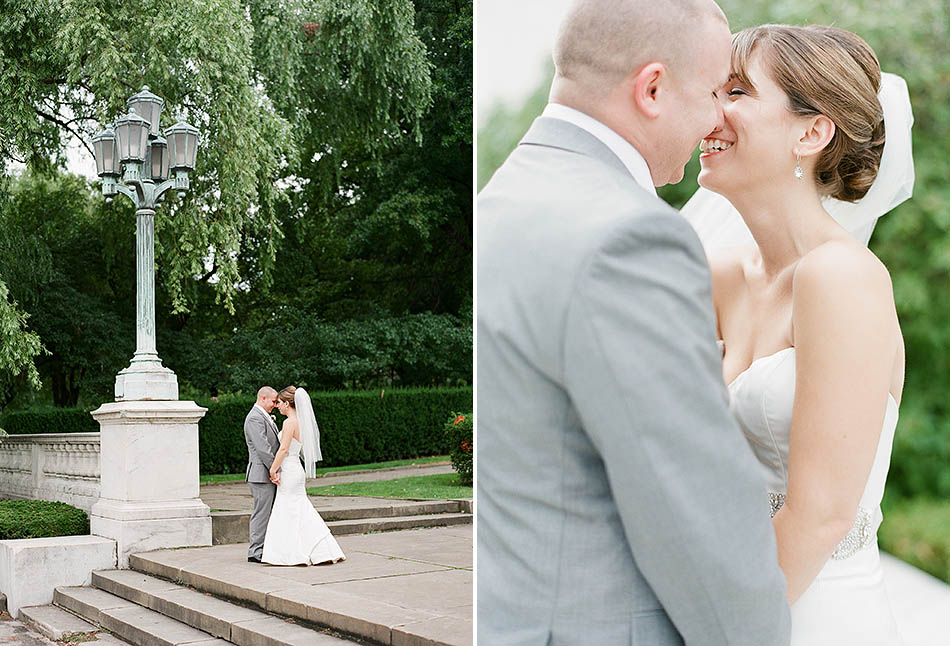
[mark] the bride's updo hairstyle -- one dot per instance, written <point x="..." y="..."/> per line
<point x="287" y="395"/>
<point x="829" y="71"/>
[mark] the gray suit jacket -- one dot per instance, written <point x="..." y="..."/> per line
<point x="618" y="502"/>
<point x="260" y="433"/>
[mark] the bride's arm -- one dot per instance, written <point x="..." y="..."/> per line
<point x="287" y="434"/>
<point x="846" y="337"/>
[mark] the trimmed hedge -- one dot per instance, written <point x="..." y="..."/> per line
<point x="40" y="519"/>
<point x="356" y="427"/>
<point x="49" y="420"/>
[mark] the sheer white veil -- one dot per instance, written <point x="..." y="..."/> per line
<point x="719" y="224"/>
<point x="309" y="432"/>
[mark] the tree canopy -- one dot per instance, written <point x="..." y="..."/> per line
<point x="332" y="195"/>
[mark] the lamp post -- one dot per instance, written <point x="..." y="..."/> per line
<point x="148" y="485"/>
<point x="134" y="150"/>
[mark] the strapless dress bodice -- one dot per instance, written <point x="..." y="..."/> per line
<point x="761" y="400"/>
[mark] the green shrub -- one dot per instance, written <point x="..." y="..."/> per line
<point x="49" y="420"/>
<point x="918" y="531"/>
<point x="356" y="427"/>
<point x="40" y="519"/>
<point x="460" y="429"/>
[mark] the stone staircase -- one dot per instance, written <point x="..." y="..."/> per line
<point x="394" y="589"/>
<point x="361" y="516"/>
<point x="147" y="611"/>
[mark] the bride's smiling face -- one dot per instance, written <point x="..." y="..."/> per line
<point x="283" y="407"/>
<point x="756" y="142"/>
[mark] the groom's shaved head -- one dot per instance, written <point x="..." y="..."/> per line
<point x="266" y="391"/>
<point x="602" y="42"/>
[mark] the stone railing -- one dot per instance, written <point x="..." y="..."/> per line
<point x="63" y="467"/>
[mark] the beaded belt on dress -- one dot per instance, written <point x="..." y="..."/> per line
<point x="855" y="540"/>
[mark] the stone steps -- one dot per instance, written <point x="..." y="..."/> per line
<point x="370" y="618"/>
<point x="366" y="525"/>
<point x="146" y="611"/>
<point x="229" y="527"/>
<point x="57" y="624"/>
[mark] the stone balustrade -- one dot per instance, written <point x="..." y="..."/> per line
<point x="62" y="467"/>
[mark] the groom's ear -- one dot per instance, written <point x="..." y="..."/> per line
<point x="648" y="88"/>
<point x="818" y="133"/>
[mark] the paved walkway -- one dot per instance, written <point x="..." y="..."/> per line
<point x="418" y="583"/>
<point x="18" y="634"/>
<point x="236" y="496"/>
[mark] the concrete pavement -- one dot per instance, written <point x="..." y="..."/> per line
<point x="413" y="586"/>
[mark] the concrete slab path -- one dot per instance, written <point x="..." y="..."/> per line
<point x="414" y="584"/>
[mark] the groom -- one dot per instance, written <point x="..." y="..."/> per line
<point x="618" y="502"/>
<point x="260" y="433"/>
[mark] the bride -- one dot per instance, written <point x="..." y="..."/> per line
<point x="296" y="535"/>
<point x="812" y="348"/>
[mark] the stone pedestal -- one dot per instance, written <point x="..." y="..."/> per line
<point x="149" y="477"/>
<point x="145" y="379"/>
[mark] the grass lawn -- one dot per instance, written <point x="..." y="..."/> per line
<point x="918" y="531"/>
<point x="439" y="486"/>
<point x="232" y="477"/>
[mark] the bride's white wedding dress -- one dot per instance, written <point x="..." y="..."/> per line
<point x="296" y="534"/>
<point x="846" y="604"/>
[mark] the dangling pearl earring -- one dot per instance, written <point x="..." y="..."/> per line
<point x="799" y="173"/>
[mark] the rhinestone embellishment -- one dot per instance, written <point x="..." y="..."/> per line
<point x="854" y="541"/>
<point x="776" y="500"/>
<point x="858" y="538"/>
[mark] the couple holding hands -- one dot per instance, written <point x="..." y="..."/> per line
<point x="285" y="529"/>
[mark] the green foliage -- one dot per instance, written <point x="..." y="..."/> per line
<point x="19" y="346"/>
<point x="918" y="531"/>
<point x="300" y="348"/>
<point x="355" y="427"/>
<point x="40" y="519"/>
<point x="394" y="234"/>
<point x="261" y="79"/>
<point x="49" y="420"/>
<point x="440" y="486"/>
<point x="334" y="186"/>
<point x="460" y="429"/>
<point x="505" y="127"/>
<point x="81" y="295"/>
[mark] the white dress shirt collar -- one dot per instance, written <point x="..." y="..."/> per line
<point x="628" y="155"/>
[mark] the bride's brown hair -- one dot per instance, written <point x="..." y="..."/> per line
<point x="287" y="395"/>
<point x="830" y="71"/>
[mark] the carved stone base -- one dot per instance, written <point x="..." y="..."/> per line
<point x="149" y="477"/>
<point x="146" y="380"/>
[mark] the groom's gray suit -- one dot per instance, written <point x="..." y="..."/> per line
<point x="618" y="502"/>
<point x="260" y="433"/>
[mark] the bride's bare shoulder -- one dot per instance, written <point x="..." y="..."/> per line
<point x="842" y="263"/>
<point x="843" y="272"/>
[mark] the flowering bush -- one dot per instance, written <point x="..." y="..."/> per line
<point x="460" y="428"/>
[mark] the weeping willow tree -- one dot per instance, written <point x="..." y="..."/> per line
<point x="275" y="86"/>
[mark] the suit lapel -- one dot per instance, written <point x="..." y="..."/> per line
<point x="267" y="420"/>
<point x="556" y="133"/>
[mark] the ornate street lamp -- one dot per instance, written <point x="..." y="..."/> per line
<point x="134" y="150"/>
